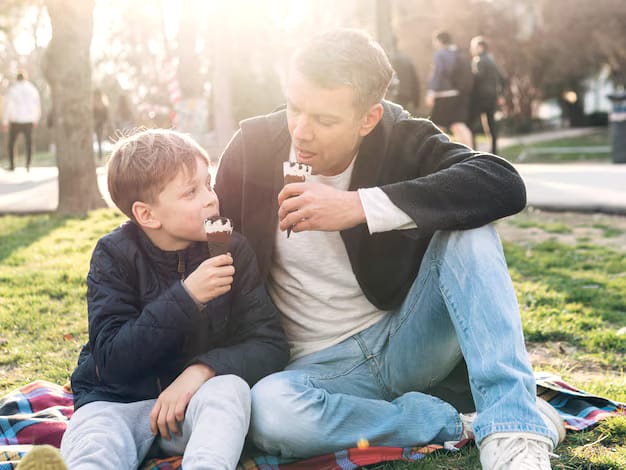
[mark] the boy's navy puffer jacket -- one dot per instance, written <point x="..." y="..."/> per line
<point x="145" y="329"/>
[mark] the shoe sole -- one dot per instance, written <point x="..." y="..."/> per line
<point x="552" y="416"/>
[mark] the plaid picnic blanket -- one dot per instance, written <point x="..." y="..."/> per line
<point x="38" y="413"/>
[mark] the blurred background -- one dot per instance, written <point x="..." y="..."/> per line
<point x="204" y="65"/>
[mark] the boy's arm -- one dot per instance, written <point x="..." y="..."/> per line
<point x="169" y="408"/>
<point x="257" y="345"/>
<point x="127" y="338"/>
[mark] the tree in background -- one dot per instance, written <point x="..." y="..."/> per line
<point x="67" y="67"/>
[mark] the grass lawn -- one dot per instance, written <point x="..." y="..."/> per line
<point x="570" y="277"/>
<point x="598" y="138"/>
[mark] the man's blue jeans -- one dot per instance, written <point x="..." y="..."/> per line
<point x="374" y="385"/>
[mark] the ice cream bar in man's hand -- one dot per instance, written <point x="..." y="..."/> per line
<point x="294" y="172"/>
<point x="218" y="231"/>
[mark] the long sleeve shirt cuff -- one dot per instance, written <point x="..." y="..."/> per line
<point x="381" y="214"/>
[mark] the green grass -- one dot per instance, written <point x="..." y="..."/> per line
<point x="608" y="232"/>
<point x="573" y="295"/>
<point x="42" y="293"/>
<point x="601" y="137"/>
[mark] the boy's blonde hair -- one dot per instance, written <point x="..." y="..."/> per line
<point x="142" y="164"/>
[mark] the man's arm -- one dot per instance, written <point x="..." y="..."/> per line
<point x="453" y="188"/>
<point x="456" y="188"/>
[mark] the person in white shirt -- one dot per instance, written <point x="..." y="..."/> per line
<point x="22" y="111"/>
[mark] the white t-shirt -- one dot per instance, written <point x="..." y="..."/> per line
<point x="312" y="284"/>
<point x="311" y="279"/>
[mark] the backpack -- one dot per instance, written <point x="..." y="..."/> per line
<point x="462" y="78"/>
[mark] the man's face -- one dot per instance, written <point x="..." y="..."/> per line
<point x="182" y="207"/>
<point x="326" y="129"/>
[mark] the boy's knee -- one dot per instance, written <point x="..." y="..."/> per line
<point x="232" y="387"/>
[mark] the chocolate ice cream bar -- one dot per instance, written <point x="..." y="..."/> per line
<point x="294" y="172"/>
<point x="218" y="231"/>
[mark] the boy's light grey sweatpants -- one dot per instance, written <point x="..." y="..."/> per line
<point x="108" y="435"/>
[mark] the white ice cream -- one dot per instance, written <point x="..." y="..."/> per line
<point x="296" y="169"/>
<point x="218" y="224"/>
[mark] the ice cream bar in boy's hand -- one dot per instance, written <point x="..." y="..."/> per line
<point x="294" y="172"/>
<point x="218" y="231"/>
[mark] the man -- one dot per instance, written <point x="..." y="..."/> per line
<point x="488" y="81"/>
<point x="449" y="88"/>
<point x="404" y="88"/>
<point x="22" y="110"/>
<point x="389" y="279"/>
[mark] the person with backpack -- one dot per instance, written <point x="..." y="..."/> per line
<point x="449" y="88"/>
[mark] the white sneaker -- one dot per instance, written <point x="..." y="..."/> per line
<point x="552" y="418"/>
<point x="522" y="450"/>
<point x="466" y="434"/>
<point x="516" y="451"/>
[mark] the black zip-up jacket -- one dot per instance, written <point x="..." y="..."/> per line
<point x="441" y="185"/>
<point x="145" y="329"/>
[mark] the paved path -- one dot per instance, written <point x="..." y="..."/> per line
<point x="597" y="187"/>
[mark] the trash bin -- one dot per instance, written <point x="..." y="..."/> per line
<point x="617" y="118"/>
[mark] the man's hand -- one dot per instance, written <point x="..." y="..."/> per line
<point x="169" y="409"/>
<point x="211" y="279"/>
<point x="316" y="206"/>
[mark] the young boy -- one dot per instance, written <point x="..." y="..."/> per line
<point x="176" y="338"/>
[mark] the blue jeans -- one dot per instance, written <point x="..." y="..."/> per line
<point x="377" y="384"/>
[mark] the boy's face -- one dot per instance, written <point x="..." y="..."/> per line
<point x="326" y="128"/>
<point x="181" y="208"/>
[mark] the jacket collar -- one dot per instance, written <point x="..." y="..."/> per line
<point x="170" y="261"/>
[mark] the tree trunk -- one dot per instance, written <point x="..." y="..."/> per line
<point x="67" y="67"/>
<point x="222" y="77"/>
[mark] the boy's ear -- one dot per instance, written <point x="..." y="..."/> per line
<point x="144" y="215"/>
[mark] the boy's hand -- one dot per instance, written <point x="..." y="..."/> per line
<point x="211" y="279"/>
<point x="170" y="407"/>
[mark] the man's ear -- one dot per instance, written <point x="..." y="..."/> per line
<point x="370" y="119"/>
<point x="144" y="215"/>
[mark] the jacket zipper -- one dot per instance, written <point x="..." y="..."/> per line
<point x="181" y="266"/>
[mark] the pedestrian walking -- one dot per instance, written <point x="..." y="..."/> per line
<point x="100" y="117"/>
<point x="449" y="88"/>
<point x="22" y="111"/>
<point x="488" y="85"/>
<point x="404" y="88"/>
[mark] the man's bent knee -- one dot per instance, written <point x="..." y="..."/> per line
<point x="278" y="424"/>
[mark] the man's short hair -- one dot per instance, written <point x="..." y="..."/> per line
<point x="443" y="37"/>
<point x="21" y="75"/>
<point x="142" y="164"/>
<point x="346" y="57"/>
